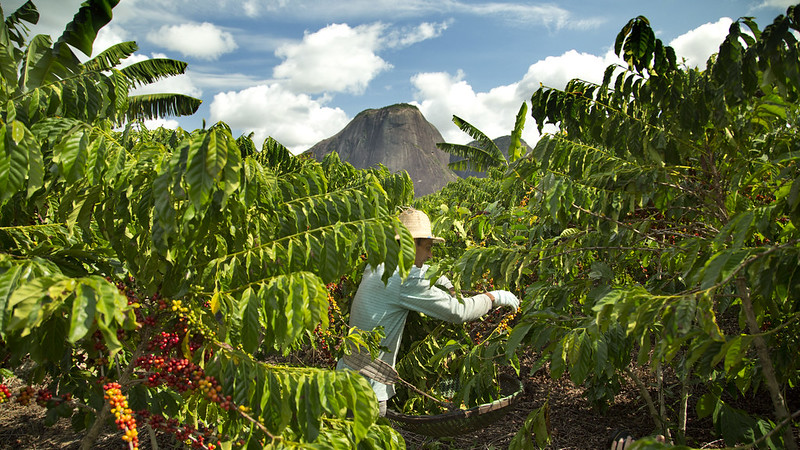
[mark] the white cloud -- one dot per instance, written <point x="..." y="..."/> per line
<point x="441" y="95"/>
<point x="557" y="71"/>
<point x="408" y="36"/>
<point x="340" y="58"/>
<point x="337" y="58"/>
<point x="204" y="41"/>
<point x="296" y="121"/>
<point x="251" y="8"/>
<point x="779" y="4"/>
<point x="166" y="123"/>
<point x="224" y="81"/>
<point x="549" y="15"/>
<point x="520" y="14"/>
<point x="697" y="45"/>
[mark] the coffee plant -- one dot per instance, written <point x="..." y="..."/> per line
<point x="141" y="271"/>
<point x="658" y="232"/>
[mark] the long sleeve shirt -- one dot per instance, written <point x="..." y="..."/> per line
<point x="376" y="304"/>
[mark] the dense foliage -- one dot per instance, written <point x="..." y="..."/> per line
<point x="660" y="232"/>
<point x="156" y="264"/>
<point x="170" y="271"/>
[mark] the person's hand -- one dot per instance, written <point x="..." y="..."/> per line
<point x="505" y="298"/>
<point x="622" y="443"/>
<point x="444" y="282"/>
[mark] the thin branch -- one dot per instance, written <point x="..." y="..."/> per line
<point x="258" y="424"/>
<point x="772" y="432"/>
<point x="648" y="399"/>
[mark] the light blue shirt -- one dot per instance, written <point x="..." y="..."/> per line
<point x="376" y="304"/>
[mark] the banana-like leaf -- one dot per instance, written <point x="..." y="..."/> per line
<point x="515" y="146"/>
<point x="486" y="143"/>
<point x="477" y="159"/>
<point x="87" y="22"/>
<point x="151" y="70"/>
<point x="14" y="26"/>
<point x="152" y="106"/>
<point x="111" y="57"/>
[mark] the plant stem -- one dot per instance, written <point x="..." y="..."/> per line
<point x="683" y="411"/>
<point x="88" y="441"/>
<point x="153" y="440"/>
<point x="767" y="368"/>
<point x="648" y="399"/>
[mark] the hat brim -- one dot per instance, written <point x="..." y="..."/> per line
<point x="436" y="239"/>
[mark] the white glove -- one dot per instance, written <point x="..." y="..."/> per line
<point x="505" y="298"/>
<point x="444" y="282"/>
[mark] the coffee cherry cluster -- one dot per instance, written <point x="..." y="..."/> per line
<point x="497" y="321"/>
<point x="182" y="375"/>
<point x="328" y="339"/>
<point x="5" y="393"/>
<point x="97" y="338"/>
<point x="25" y="395"/>
<point x="145" y="308"/>
<point x="122" y="414"/>
<point x="189" y="317"/>
<point x="43" y="396"/>
<point x="503" y="325"/>
<point x="199" y="437"/>
<point x="164" y="341"/>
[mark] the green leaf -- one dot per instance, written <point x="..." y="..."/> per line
<point x="535" y="430"/>
<point x="207" y="157"/>
<point x="9" y="281"/>
<point x="249" y="306"/>
<point x="515" y="146"/>
<point x="14" y="166"/>
<point x="557" y="361"/>
<point x="71" y="155"/>
<point x="518" y="333"/>
<point x="27" y="302"/>
<point x="580" y="358"/>
<point x="310" y="408"/>
<point x="83" y="313"/>
<point x="734" y="424"/>
<point x="706" y="405"/>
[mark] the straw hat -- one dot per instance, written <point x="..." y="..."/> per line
<point x="418" y="224"/>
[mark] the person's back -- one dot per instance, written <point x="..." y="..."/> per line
<point x="387" y="305"/>
<point x="376" y="304"/>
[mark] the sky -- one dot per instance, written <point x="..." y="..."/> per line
<point x="301" y="70"/>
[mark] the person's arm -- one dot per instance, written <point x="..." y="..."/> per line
<point x="417" y="294"/>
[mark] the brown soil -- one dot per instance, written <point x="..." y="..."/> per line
<point x="573" y="423"/>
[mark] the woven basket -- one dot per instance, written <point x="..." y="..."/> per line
<point x="463" y="421"/>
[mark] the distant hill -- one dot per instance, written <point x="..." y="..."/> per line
<point x="502" y="143"/>
<point x="397" y="136"/>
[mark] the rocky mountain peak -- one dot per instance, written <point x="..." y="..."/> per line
<point x="397" y="136"/>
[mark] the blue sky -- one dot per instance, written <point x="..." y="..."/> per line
<point x="300" y="70"/>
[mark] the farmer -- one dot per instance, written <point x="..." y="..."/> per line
<point x="377" y="304"/>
